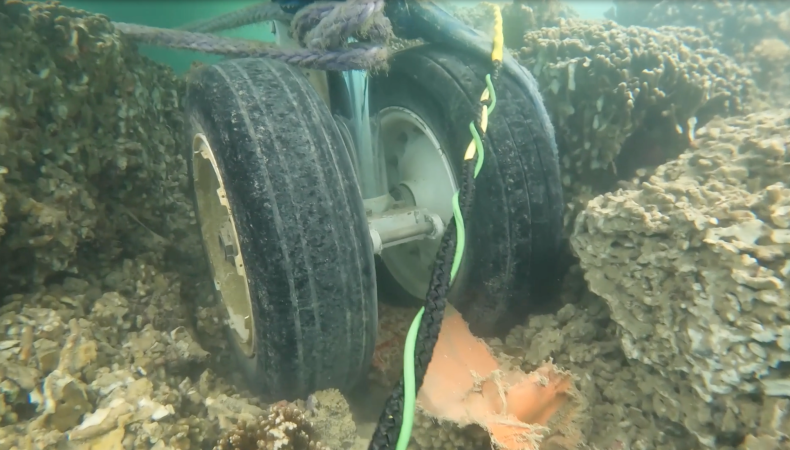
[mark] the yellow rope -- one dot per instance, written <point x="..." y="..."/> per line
<point x="476" y="145"/>
<point x="499" y="38"/>
<point x="496" y="57"/>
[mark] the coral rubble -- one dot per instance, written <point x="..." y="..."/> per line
<point x="284" y="428"/>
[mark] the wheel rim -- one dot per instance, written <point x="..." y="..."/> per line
<point x="420" y="174"/>
<point x="221" y="240"/>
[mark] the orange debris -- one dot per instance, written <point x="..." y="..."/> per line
<point x="464" y="384"/>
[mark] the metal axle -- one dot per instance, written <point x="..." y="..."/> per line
<point x="403" y="224"/>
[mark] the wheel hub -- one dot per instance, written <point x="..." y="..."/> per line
<point x="420" y="174"/>
<point x="221" y="240"/>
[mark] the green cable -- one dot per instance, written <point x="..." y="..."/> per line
<point x="409" y="384"/>
<point x="491" y="94"/>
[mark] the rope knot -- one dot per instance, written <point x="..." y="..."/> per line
<point x="329" y="25"/>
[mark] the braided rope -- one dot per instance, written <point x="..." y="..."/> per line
<point x="342" y="22"/>
<point x="207" y="43"/>
<point x="354" y="57"/>
<point x="323" y="28"/>
<point x="375" y="28"/>
<point x="387" y="431"/>
<point x="258" y="13"/>
<point x="309" y="17"/>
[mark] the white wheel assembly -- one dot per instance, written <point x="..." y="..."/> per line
<point x="419" y="174"/>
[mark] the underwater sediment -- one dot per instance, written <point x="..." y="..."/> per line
<point x="671" y="332"/>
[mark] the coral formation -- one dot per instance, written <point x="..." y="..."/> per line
<point x="623" y="98"/>
<point x="522" y="16"/>
<point x="622" y="399"/>
<point x="687" y="343"/>
<point x="284" y="428"/>
<point x="754" y="33"/>
<point x="518" y="17"/>
<point x="330" y="415"/>
<point x="735" y="26"/>
<point x="631" y="404"/>
<point x="90" y="133"/>
<point x="97" y="349"/>
<point x="694" y="266"/>
<point x="771" y="63"/>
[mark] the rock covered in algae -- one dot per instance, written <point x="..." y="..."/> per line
<point x="90" y="144"/>
<point x="695" y="264"/>
<point x="624" y="98"/>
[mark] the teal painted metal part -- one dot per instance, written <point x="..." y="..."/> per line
<point x="172" y="14"/>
